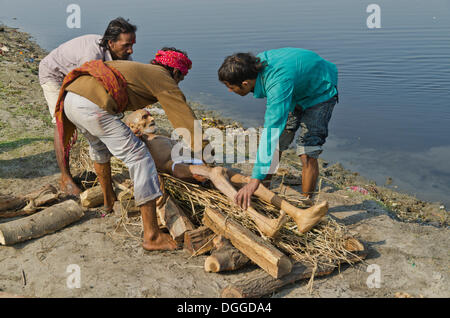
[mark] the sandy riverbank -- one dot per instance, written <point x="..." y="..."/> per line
<point x="407" y="237"/>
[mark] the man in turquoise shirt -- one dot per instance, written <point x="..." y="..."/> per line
<point x="301" y="91"/>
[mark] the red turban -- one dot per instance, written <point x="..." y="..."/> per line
<point x="174" y="59"/>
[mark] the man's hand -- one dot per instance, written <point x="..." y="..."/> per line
<point x="244" y="195"/>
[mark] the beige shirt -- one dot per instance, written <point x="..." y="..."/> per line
<point x="146" y="85"/>
<point x="69" y="55"/>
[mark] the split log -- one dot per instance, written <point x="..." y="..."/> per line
<point x="174" y="219"/>
<point x="43" y="196"/>
<point x="127" y="203"/>
<point x="130" y="207"/>
<point x="122" y="183"/>
<point x="47" y="221"/>
<point x="92" y="197"/>
<point x="162" y="199"/>
<point x="254" y="247"/>
<point x="13" y="214"/>
<point x="36" y="199"/>
<point x="260" y="283"/>
<point x="220" y="242"/>
<point x="46" y="189"/>
<point x="8" y="202"/>
<point x="225" y="257"/>
<point x="199" y="241"/>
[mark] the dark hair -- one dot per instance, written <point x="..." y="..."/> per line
<point x="114" y="29"/>
<point x="170" y="69"/>
<point x="239" y="67"/>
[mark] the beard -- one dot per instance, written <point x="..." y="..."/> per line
<point x="149" y="130"/>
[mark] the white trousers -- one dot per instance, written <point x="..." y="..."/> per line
<point x="108" y="135"/>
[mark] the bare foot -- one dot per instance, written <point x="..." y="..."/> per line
<point x="69" y="187"/>
<point x="311" y="216"/>
<point x="162" y="242"/>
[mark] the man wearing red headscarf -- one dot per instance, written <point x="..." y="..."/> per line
<point x="92" y="98"/>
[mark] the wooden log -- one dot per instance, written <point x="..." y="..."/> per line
<point x="44" y="195"/>
<point x="219" y="242"/>
<point x="8" y="202"/>
<point x="13" y="214"/>
<point x="174" y="219"/>
<point x="47" y="221"/>
<point x="122" y="183"/>
<point x="162" y="199"/>
<point x="199" y="241"/>
<point x="260" y="283"/>
<point x="44" y="190"/>
<point x="254" y="247"/>
<point x="225" y="257"/>
<point x="92" y="197"/>
<point x="127" y="203"/>
<point x="33" y="206"/>
<point x="45" y="198"/>
<point x="47" y="194"/>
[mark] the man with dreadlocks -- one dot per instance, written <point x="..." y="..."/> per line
<point x="116" y="44"/>
<point x="91" y="98"/>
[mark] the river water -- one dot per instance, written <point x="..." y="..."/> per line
<point x="393" y="119"/>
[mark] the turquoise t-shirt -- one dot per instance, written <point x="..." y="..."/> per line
<point x="291" y="77"/>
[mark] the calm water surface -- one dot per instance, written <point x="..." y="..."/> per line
<point x="393" y="119"/>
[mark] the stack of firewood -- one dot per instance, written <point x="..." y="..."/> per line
<point x="204" y="222"/>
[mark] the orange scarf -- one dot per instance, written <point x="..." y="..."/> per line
<point x="111" y="79"/>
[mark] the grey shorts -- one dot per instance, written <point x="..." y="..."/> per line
<point x="313" y="123"/>
<point x="107" y="135"/>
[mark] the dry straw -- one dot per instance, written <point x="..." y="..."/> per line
<point x="323" y="245"/>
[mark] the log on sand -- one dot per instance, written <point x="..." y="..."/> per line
<point x="225" y="257"/>
<point x="47" y="221"/>
<point x="47" y="194"/>
<point x="260" y="283"/>
<point x="92" y="197"/>
<point x="8" y="202"/>
<point x="127" y="204"/>
<point x="254" y="247"/>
